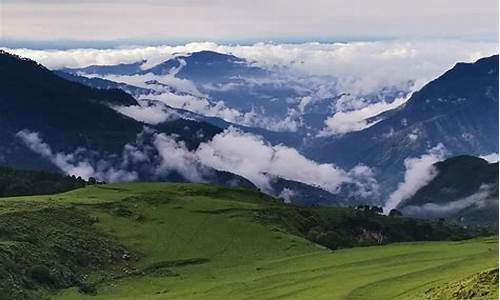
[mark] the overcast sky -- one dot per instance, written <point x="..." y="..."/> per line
<point x="244" y="20"/>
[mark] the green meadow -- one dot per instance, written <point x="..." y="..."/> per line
<point x="197" y="241"/>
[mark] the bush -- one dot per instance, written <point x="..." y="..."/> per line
<point x="87" y="288"/>
<point x="41" y="274"/>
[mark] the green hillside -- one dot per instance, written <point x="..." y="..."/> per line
<point x="196" y="241"/>
<point x="15" y="182"/>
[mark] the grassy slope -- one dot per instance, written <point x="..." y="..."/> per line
<point x="236" y="257"/>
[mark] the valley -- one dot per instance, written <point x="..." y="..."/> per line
<point x="249" y="150"/>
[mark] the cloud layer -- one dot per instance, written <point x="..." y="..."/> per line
<point x="243" y="20"/>
<point x="376" y="76"/>
<point x="361" y="66"/>
<point x="251" y="157"/>
<point x="435" y="210"/>
<point x="76" y="163"/>
<point x="154" y="155"/>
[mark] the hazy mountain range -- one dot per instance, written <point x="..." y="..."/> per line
<point x="208" y="116"/>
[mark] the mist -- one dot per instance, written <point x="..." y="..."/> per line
<point x="419" y="172"/>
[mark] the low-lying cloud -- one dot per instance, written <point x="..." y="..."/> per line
<point x="149" y="112"/>
<point x="491" y="158"/>
<point x="154" y="155"/>
<point x="419" y="172"/>
<point x="358" y="118"/>
<point x="435" y="210"/>
<point x="251" y="157"/>
<point x="75" y="163"/>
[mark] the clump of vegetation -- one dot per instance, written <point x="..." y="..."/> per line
<point x="483" y="285"/>
<point x="87" y="288"/>
<point x="50" y="248"/>
<point x="23" y="182"/>
<point x="364" y="226"/>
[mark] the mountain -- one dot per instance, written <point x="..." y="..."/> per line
<point x="100" y="83"/>
<point x="459" y="110"/>
<point x="120" y="69"/>
<point x="287" y="138"/>
<point x="272" y="97"/>
<point x="257" y="97"/>
<point x="464" y="186"/>
<point x="206" y="66"/>
<point x="70" y="115"/>
<point x="63" y="122"/>
<point x="70" y="126"/>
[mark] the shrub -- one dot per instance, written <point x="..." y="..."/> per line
<point x="41" y="274"/>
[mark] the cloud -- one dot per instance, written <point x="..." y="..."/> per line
<point x="361" y="67"/>
<point x="174" y="156"/>
<point x="354" y="120"/>
<point x="377" y="76"/>
<point x="435" y="210"/>
<point x="491" y="158"/>
<point x="74" y="163"/>
<point x="419" y="172"/>
<point x="159" y="83"/>
<point x="250" y="156"/>
<point x="364" y="182"/>
<point x="240" y="20"/>
<point x="154" y="155"/>
<point x="179" y="96"/>
<point x="174" y="92"/>
<point x="149" y="112"/>
<point x="198" y="105"/>
<point x="287" y="195"/>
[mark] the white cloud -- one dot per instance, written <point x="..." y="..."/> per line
<point x="174" y="156"/>
<point x="243" y="20"/>
<point x="72" y="163"/>
<point x="251" y="157"/>
<point x="165" y="82"/>
<point x="430" y="210"/>
<point x="304" y="101"/>
<point x="362" y="67"/>
<point x="363" y="178"/>
<point x="491" y="158"/>
<point x="287" y="195"/>
<point x="148" y="112"/>
<point x="154" y="112"/>
<point x="154" y="154"/>
<point x="369" y="72"/>
<point x="244" y="154"/>
<point x="419" y="172"/>
<point x="354" y="120"/>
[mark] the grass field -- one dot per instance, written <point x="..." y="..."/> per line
<point x="195" y="241"/>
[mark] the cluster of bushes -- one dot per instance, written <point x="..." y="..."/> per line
<point x="37" y="255"/>
<point x="362" y="226"/>
<point x="15" y="182"/>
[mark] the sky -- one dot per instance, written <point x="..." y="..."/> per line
<point x="112" y="22"/>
